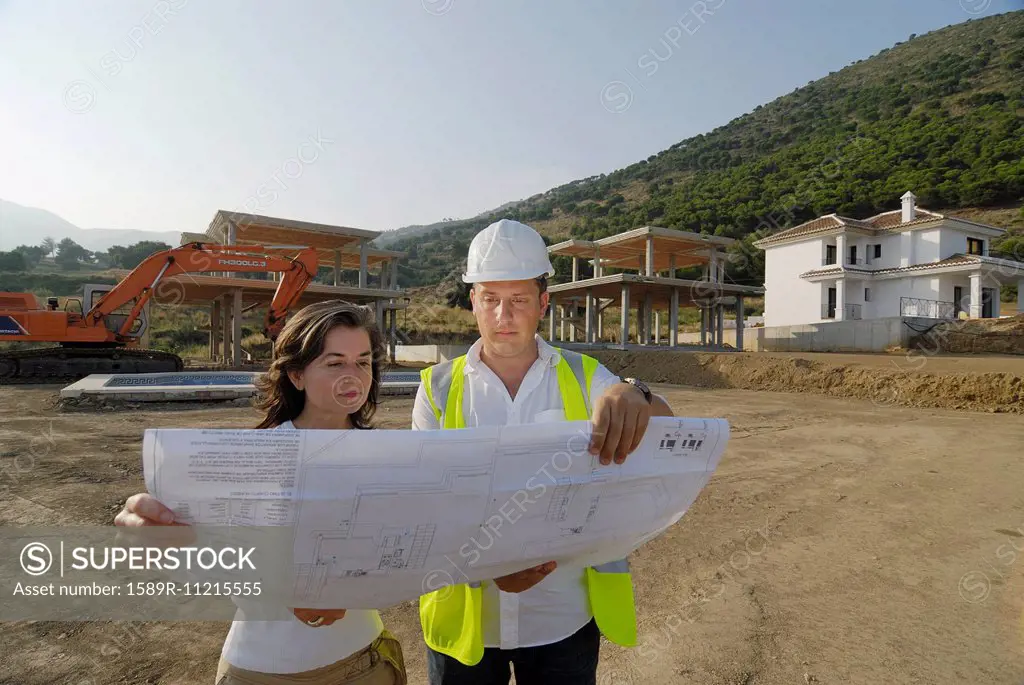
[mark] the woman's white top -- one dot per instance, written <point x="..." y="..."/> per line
<point x="291" y="646"/>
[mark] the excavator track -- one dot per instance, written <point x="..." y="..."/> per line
<point x="60" y="364"/>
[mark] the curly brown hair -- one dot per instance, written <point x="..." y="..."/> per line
<point x="301" y="341"/>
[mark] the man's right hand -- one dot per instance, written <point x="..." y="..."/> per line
<point x="524" y="580"/>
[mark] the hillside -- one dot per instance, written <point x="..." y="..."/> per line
<point x="941" y="114"/>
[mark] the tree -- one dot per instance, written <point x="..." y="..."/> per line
<point x="48" y="245"/>
<point x="12" y="261"/>
<point x="70" y="254"/>
<point x="31" y="253"/>
<point x="131" y="256"/>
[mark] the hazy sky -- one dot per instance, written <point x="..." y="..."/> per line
<point x="377" y="114"/>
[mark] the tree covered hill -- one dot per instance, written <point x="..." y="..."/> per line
<point x="940" y="114"/>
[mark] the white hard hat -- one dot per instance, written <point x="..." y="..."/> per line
<point x="507" y="251"/>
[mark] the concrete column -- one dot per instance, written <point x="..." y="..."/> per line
<point x="739" y="323"/>
<point x="976" y="295"/>
<point x="214" y="328"/>
<point x="648" y="316"/>
<point x="721" y="271"/>
<point x="236" y="328"/>
<point x="672" y="266"/>
<point x="599" y="332"/>
<point x="552" y="315"/>
<point x="711" y="272"/>
<point x="657" y="327"/>
<point x="362" y="263"/>
<point x="597" y="262"/>
<point x="649" y="269"/>
<point x="225" y="332"/>
<point x="393" y="337"/>
<point x="624" y="322"/>
<point x="575" y="268"/>
<point x="721" y="324"/>
<point x="841" y="251"/>
<point x="337" y="267"/>
<point x="394" y="274"/>
<point x="378" y="309"/>
<point x="840" y="299"/>
<point x="641" y="323"/>
<point x="561" y="324"/>
<point x="589" y="337"/>
<point x="703" y="324"/>
<point x="574" y="310"/>
<point x="673" y="317"/>
<point x="1020" y="296"/>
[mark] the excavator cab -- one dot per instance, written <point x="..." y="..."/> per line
<point x="116" y="319"/>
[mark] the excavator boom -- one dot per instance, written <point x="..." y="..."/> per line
<point x="99" y="340"/>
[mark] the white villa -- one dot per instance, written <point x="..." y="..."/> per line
<point x="908" y="262"/>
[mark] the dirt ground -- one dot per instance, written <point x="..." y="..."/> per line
<point x="839" y="542"/>
<point x="992" y="383"/>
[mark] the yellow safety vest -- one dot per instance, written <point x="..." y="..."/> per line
<point x="451" y="616"/>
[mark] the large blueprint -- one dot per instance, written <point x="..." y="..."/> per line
<point x="379" y="517"/>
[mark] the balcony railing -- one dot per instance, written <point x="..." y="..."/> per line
<point x="828" y="261"/>
<point x="851" y="312"/>
<point x="856" y="261"/>
<point x="927" y="309"/>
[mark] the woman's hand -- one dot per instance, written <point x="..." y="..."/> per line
<point x="142" y="511"/>
<point x="319" y="617"/>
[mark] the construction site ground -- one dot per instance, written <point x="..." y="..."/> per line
<point x="841" y="540"/>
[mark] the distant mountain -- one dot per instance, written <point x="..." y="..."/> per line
<point x="20" y="225"/>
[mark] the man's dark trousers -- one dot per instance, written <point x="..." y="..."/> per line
<point x="572" y="661"/>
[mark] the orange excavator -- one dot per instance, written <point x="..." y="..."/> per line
<point x="105" y="338"/>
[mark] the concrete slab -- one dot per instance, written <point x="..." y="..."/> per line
<point x="200" y="385"/>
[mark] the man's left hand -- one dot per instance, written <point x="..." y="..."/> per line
<point x="620" y="418"/>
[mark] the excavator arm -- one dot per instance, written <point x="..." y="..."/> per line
<point x="141" y="283"/>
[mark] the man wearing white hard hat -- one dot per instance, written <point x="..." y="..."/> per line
<point x="546" y="622"/>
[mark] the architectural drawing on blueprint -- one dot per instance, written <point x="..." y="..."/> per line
<point x="379" y="527"/>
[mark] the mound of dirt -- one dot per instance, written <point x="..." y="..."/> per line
<point x="993" y="392"/>
<point x="984" y="336"/>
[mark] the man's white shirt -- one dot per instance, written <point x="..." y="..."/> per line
<point x="558" y="606"/>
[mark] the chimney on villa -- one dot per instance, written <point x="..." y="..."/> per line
<point x="909" y="206"/>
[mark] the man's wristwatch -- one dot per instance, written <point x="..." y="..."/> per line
<point x="641" y="386"/>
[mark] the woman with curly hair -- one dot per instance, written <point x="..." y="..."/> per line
<point x="326" y="374"/>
